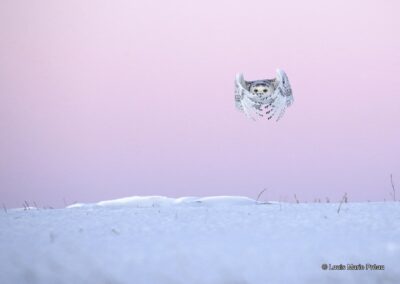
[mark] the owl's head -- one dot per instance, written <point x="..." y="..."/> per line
<point x="261" y="88"/>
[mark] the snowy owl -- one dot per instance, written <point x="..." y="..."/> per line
<point x="267" y="98"/>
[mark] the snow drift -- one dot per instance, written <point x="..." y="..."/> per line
<point x="211" y="240"/>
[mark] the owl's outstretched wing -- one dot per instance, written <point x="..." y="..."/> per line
<point x="240" y="91"/>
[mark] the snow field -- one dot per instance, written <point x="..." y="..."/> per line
<point x="157" y="240"/>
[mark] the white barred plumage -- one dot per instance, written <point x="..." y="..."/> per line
<point x="267" y="98"/>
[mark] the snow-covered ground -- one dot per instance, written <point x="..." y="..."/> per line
<point x="227" y="240"/>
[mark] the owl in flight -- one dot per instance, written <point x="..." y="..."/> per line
<point x="267" y="98"/>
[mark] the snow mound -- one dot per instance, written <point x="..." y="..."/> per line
<point x="227" y="200"/>
<point x="162" y="201"/>
<point x="210" y="240"/>
<point x="24" y="208"/>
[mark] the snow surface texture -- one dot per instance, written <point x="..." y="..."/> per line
<point x="264" y="106"/>
<point x="227" y="240"/>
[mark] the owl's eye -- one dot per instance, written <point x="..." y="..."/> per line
<point x="256" y="90"/>
<point x="265" y="90"/>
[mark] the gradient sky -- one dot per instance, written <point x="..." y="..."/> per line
<point x="107" y="99"/>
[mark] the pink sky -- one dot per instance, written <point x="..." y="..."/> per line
<point x="107" y="99"/>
